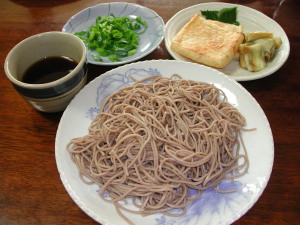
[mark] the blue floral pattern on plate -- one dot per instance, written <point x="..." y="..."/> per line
<point x="211" y="203"/>
<point x="115" y="81"/>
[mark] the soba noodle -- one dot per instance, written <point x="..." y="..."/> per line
<point x="155" y="141"/>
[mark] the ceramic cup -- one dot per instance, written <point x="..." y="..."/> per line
<point x="56" y="95"/>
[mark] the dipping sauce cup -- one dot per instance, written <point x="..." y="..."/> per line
<point x="53" y="96"/>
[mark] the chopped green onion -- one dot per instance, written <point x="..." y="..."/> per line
<point x="113" y="37"/>
<point x="132" y="52"/>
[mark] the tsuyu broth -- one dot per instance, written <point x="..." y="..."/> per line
<point x="49" y="69"/>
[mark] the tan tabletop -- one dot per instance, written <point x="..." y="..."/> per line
<point x="31" y="191"/>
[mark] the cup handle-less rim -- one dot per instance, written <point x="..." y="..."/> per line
<point x="53" y="83"/>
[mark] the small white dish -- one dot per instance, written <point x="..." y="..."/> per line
<point x="148" y="41"/>
<point x="251" y="20"/>
<point x="211" y="207"/>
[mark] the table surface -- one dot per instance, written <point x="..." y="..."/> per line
<point x="31" y="191"/>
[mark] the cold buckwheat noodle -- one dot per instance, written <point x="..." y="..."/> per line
<point x="154" y="141"/>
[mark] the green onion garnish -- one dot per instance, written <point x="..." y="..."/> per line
<point x="113" y="37"/>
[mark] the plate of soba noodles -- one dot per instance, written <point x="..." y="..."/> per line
<point x="164" y="142"/>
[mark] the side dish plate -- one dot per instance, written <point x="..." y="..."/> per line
<point x="251" y="20"/>
<point x="148" y="41"/>
<point x="211" y="207"/>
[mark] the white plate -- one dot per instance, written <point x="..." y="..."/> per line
<point x="251" y="20"/>
<point x="148" y="41"/>
<point x="211" y="207"/>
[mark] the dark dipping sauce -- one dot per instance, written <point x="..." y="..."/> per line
<point x="49" y="69"/>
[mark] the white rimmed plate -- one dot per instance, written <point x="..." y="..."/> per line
<point x="251" y="20"/>
<point x="148" y="41"/>
<point x="211" y="207"/>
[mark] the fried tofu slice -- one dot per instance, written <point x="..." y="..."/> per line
<point x="208" y="42"/>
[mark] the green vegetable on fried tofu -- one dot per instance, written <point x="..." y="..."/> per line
<point x="226" y="15"/>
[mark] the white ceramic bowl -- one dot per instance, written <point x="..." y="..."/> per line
<point x="148" y="41"/>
